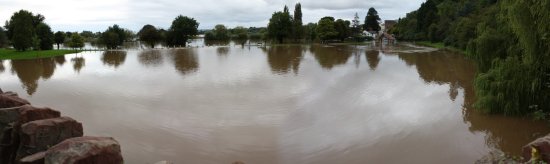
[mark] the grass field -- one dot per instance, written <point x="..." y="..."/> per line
<point x="13" y="54"/>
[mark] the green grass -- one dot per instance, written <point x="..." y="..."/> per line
<point x="13" y="54"/>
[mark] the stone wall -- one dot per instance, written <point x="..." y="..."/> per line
<point x="32" y="135"/>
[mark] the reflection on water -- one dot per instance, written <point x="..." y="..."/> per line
<point x="2" y="66"/>
<point x="222" y="51"/>
<point x="373" y="58"/>
<point x="30" y="71"/>
<point x="78" y="63"/>
<point x="151" y="58"/>
<point x="185" y="60"/>
<point x="283" y="59"/>
<point x="60" y="60"/>
<point x="396" y="104"/>
<point x="330" y="56"/>
<point x="114" y="58"/>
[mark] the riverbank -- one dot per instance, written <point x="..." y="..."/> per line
<point x="13" y="54"/>
<point x="440" y="45"/>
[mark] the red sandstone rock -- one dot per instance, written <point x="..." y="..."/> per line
<point x="39" y="135"/>
<point x="543" y="147"/>
<point x="30" y="113"/>
<point x="8" y="101"/>
<point x="37" y="158"/>
<point x="85" y="150"/>
<point x="10" y="140"/>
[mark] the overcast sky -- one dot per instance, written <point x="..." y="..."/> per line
<point x="97" y="15"/>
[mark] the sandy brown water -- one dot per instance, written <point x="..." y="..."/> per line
<point x="282" y="104"/>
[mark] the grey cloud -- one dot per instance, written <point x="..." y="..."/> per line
<point x="134" y="14"/>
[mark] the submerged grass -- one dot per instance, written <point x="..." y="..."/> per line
<point x="440" y="45"/>
<point x="13" y="54"/>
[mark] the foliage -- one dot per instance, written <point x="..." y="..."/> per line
<point x="297" y="24"/>
<point x="113" y="37"/>
<point x="325" y="29"/>
<point x="181" y="30"/>
<point x="279" y="27"/>
<point x="59" y="38"/>
<point x="150" y="35"/>
<point x="240" y="34"/>
<point x="110" y="39"/>
<point x="45" y="35"/>
<point x="355" y="26"/>
<point x="310" y="31"/>
<point x="3" y="38"/>
<point x="372" y="20"/>
<point x="76" y="41"/>
<point x="343" y="29"/>
<point x="219" y="32"/>
<point x="21" y="30"/>
<point x="508" y="39"/>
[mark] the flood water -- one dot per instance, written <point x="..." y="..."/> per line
<point x="284" y="104"/>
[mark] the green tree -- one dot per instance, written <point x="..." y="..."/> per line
<point x="325" y="29"/>
<point x="372" y="20"/>
<point x="427" y="15"/>
<point x="45" y="36"/>
<point x="21" y="30"/>
<point x="241" y="34"/>
<point x="87" y="34"/>
<point x="343" y="29"/>
<point x="76" y="41"/>
<point x="181" y="30"/>
<point x="297" y="24"/>
<point x="110" y="39"/>
<point x="310" y="31"/>
<point x="279" y="27"/>
<point x="220" y="32"/>
<point x="150" y="35"/>
<point x="59" y="37"/>
<point x="3" y="38"/>
<point x="355" y="25"/>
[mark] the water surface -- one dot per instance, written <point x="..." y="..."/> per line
<point x="282" y="104"/>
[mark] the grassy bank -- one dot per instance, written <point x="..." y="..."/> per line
<point x="440" y="45"/>
<point x="13" y="54"/>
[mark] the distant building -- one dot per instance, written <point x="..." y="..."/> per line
<point x="389" y="24"/>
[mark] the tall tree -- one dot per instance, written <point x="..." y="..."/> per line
<point x="325" y="29"/>
<point x="372" y="20"/>
<point x="297" y="24"/>
<point x="45" y="36"/>
<point x="59" y="37"/>
<point x="343" y="29"/>
<point x="150" y="35"/>
<point x="427" y="15"/>
<point x="279" y="27"/>
<point x="21" y="30"/>
<point x="355" y="25"/>
<point x="3" y="38"/>
<point x="181" y="30"/>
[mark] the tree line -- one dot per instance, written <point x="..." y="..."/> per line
<point x="283" y="27"/>
<point x="27" y="31"/>
<point x="508" y="39"/>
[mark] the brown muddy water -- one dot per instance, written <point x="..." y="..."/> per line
<point x="284" y="104"/>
